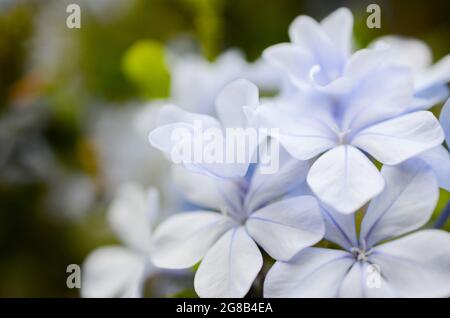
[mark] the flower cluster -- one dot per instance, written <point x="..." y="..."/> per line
<point x="338" y="116"/>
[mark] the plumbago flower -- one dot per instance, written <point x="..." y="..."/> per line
<point x="235" y="106"/>
<point x="228" y="240"/>
<point x="319" y="52"/>
<point x="373" y="118"/>
<point x="415" y="265"/>
<point x="121" y="271"/>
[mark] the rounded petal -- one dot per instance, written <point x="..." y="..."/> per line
<point x="132" y="214"/>
<point x="230" y="267"/>
<point x="182" y="240"/>
<point x="113" y="272"/>
<point x="339" y="28"/>
<point x="284" y="228"/>
<point x="396" y="140"/>
<point x="231" y="101"/>
<point x="416" y="265"/>
<point x="345" y="179"/>
<point x="406" y="203"/>
<point x="314" y="272"/>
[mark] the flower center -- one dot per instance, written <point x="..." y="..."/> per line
<point x="360" y="254"/>
<point x="343" y="137"/>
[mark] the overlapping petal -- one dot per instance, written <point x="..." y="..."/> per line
<point x="285" y="227"/>
<point x="406" y="203"/>
<point x="396" y="140"/>
<point x="182" y="240"/>
<point x="345" y="179"/>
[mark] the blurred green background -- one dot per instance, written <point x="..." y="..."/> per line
<point x="54" y="80"/>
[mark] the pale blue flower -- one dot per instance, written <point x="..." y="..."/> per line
<point x="121" y="271"/>
<point x="373" y="118"/>
<point x="318" y="53"/>
<point x="228" y="241"/>
<point x="415" y="265"/>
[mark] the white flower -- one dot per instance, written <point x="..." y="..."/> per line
<point x="416" y="265"/>
<point x="227" y="241"/>
<point x="121" y="271"/>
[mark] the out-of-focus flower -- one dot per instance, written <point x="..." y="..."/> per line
<point x="227" y="241"/>
<point x="121" y="271"/>
<point x="415" y="265"/>
<point x="195" y="82"/>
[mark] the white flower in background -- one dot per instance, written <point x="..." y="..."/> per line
<point x="228" y="241"/>
<point x="195" y="82"/>
<point x="124" y="153"/>
<point x="235" y="105"/>
<point x="415" y="265"/>
<point x="121" y="271"/>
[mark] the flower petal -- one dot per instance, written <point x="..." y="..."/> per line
<point x="284" y="228"/>
<point x="416" y="265"/>
<point x="230" y="267"/>
<point x="340" y="228"/>
<point x="308" y="34"/>
<point x="345" y="179"/>
<point x="438" y="159"/>
<point x="314" y="272"/>
<point x="407" y="202"/>
<point x="182" y="240"/>
<point x="231" y="101"/>
<point x="113" y="272"/>
<point x="207" y="191"/>
<point x="295" y="61"/>
<point x="437" y="74"/>
<point x="445" y="120"/>
<point x="303" y="136"/>
<point x="396" y="140"/>
<point x="339" y="28"/>
<point x="265" y="187"/>
<point x="132" y="214"/>
<point x="365" y="105"/>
